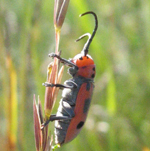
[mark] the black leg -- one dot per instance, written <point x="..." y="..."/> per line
<point x="61" y="86"/>
<point x="62" y="60"/>
<point x="53" y="118"/>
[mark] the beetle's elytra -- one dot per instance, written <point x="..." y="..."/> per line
<point x="77" y="92"/>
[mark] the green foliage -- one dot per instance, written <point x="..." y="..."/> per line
<point x="119" y="117"/>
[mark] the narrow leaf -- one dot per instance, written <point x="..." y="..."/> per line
<point x="37" y="126"/>
<point x="60" y="11"/>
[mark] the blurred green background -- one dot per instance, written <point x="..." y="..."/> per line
<point x="119" y="116"/>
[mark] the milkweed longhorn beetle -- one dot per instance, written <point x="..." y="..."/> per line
<point x="77" y="92"/>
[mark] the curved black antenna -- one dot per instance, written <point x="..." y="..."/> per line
<point x="87" y="44"/>
<point x="81" y="37"/>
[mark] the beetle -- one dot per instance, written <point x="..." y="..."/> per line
<point x="77" y="92"/>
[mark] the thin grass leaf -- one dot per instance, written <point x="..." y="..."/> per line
<point x="12" y="105"/>
<point x="49" y="143"/>
<point x="40" y="110"/>
<point x="52" y="76"/>
<point x="58" y="81"/>
<point x="60" y="10"/>
<point x="37" y="126"/>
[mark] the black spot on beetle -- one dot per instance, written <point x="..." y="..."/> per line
<point x="80" y="125"/>
<point x="93" y="75"/>
<point x="80" y="58"/>
<point x="93" y="68"/>
<point x="87" y="57"/>
<point x="86" y="105"/>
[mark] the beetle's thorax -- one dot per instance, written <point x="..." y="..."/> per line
<point x="86" y="66"/>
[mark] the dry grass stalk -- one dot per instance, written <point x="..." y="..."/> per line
<point x="43" y="141"/>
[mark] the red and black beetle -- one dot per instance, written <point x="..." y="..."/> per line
<point x="77" y="92"/>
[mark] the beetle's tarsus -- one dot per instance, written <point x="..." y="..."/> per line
<point x="52" y="55"/>
<point x="55" y="147"/>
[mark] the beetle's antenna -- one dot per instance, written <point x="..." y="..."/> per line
<point x="81" y="37"/>
<point x="87" y="44"/>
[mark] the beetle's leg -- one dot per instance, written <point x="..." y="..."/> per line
<point x="53" y="118"/>
<point x="62" y="60"/>
<point x="61" y="86"/>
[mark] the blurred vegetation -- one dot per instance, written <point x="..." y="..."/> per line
<point x="119" y="117"/>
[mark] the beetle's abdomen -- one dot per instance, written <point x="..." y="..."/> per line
<point x="66" y="108"/>
<point x="61" y="126"/>
<point x="81" y="109"/>
<point x="74" y="104"/>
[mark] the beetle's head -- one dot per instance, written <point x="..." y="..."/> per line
<point x="85" y="66"/>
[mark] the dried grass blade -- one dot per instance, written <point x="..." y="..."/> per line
<point x="37" y="126"/>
